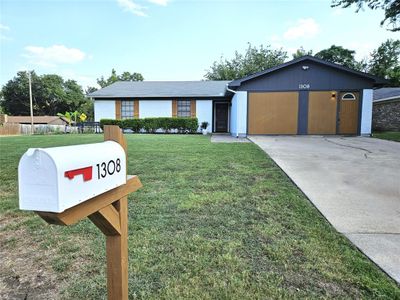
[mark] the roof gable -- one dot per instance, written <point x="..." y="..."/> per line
<point x="307" y="59"/>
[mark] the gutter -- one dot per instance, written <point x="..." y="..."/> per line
<point x="230" y="90"/>
<point x="386" y="99"/>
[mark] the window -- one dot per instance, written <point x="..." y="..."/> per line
<point x="126" y="109"/>
<point x="184" y="108"/>
<point x="349" y="96"/>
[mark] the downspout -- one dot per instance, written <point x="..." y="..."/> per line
<point x="237" y="111"/>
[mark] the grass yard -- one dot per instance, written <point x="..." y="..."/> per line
<point x="213" y="221"/>
<point x="388" y="135"/>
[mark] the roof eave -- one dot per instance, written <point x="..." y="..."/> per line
<point x="159" y="97"/>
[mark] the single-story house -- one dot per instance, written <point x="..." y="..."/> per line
<point x="386" y="109"/>
<point x="304" y="96"/>
<point x="44" y="120"/>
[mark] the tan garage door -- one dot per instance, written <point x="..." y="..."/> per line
<point x="322" y="108"/>
<point x="273" y="113"/>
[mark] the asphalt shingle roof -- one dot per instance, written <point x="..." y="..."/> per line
<point x="386" y="93"/>
<point x="149" y="89"/>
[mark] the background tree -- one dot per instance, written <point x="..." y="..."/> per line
<point x="125" y="76"/>
<point x="339" y="55"/>
<point x="301" y="52"/>
<point x="391" y="8"/>
<point x="385" y="61"/>
<point x="252" y="61"/>
<point x="90" y="89"/>
<point x="51" y="95"/>
<point x="15" y="94"/>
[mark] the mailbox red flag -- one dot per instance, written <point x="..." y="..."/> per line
<point x="86" y="173"/>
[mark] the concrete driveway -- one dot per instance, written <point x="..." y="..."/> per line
<point x="355" y="184"/>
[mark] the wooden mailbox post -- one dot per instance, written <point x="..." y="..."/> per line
<point x="109" y="212"/>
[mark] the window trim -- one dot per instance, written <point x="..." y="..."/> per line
<point x="127" y="109"/>
<point x="188" y="108"/>
<point x="349" y="99"/>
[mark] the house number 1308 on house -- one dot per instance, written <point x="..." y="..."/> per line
<point x="304" y="86"/>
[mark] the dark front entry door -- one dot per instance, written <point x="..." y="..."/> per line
<point x="221" y="117"/>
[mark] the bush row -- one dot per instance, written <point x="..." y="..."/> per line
<point x="151" y="125"/>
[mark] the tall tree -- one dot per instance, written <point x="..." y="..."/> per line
<point x="391" y="8"/>
<point x="385" y="61"/>
<point x="339" y="55"/>
<point x="15" y="94"/>
<point x="301" y="52"/>
<point x="51" y="94"/>
<point x="252" y="61"/>
<point x="125" y="76"/>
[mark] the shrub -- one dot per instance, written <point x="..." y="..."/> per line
<point x="134" y="124"/>
<point x="204" y="125"/>
<point x="150" y="124"/>
<point x="110" y="122"/>
<point x="182" y="125"/>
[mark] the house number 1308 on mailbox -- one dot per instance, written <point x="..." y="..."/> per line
<point x="108" y="169"/>
<point x="55" y="179"/>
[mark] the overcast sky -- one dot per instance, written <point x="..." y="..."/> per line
<point x="168" y="39"/>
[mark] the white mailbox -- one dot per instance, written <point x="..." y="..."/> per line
<point x="55" y="179"/>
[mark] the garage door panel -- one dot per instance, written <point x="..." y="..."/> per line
<point x="322" y="113"/>
<point x="273" y="113"/>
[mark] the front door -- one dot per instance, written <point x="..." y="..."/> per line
<point x="348" y="113"/>
<point x="221" y="117"/>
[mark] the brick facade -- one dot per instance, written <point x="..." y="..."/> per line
<point x="386" y="115"/>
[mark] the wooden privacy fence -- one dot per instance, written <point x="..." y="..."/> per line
<point x="10" y="129"/>
<point x="14" y="129"/>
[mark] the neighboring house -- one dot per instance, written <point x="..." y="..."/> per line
<point x="49" y="120"/>
<point x="386" y="109"/>
<point x="304" y="96"/>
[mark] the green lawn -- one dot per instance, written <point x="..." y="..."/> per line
<point x="213" y="221"/>
<point x="388" y="135"/>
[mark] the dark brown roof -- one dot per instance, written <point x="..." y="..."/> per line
<point x="36" y="119"/>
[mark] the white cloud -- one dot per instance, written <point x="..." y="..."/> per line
<point x="159" y="2"/>
<point x="53" y="55"/>
<point x="337" y="11"/>
<point x="130" y="6"/>
<point x="83" y="80"/>
<point x="304" y="28"/>
<point x="3" y="29"/>
<point x="363" y="49"/>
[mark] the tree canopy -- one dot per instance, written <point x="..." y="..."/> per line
<point x="301" y="52"/>
<point x="339" y="55"/>
<point x="51" y="94"/>
<point x="125" y="76"/>
<point x="385" y="61"/>
<point x="391" y="8"/>
<point x="254" y="60"/>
